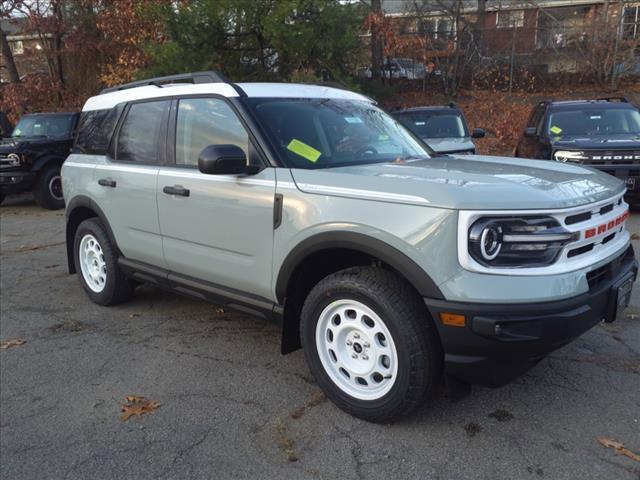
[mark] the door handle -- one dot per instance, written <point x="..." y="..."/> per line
<point x="107" y="182"/>
<point x="176" y="190"/>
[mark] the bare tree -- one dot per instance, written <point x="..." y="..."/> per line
<point x="7" y="58"/>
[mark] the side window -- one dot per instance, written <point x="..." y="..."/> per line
<point x="206" y="121"/>
<point x="95" y="129"/>
<point x="536" y="117"/>
<point x="139" y="135"/>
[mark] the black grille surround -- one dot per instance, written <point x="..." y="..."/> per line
<point x="612" y="157"/>
<point x="608" y="271"/>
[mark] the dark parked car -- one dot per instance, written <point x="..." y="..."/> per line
<point x="443" y="128"/>
<point x="30" y="159"/>
<point x="604" y="134"/>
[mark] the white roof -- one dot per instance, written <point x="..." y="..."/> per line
<point x="265" y="90"/>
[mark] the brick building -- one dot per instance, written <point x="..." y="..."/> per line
<point x="546" y="33"/>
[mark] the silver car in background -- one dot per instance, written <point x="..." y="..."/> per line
<point x="443" y="128"/>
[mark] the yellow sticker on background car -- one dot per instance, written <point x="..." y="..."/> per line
<point x="555" y="130"/>
<point x="304" y="150"/>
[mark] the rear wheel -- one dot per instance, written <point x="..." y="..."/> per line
<point x="48" y="188"/>
<point x="97" y="265"/>
<point x="370" y="343"/>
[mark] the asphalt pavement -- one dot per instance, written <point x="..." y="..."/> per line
<point x="232" y="407"/>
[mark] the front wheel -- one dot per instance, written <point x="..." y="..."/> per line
<point x="97" y="265"/>
<point x="370" y="343"/>
<point x="48" y="188"/>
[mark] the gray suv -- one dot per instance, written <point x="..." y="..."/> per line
<point x="393" y="268"/>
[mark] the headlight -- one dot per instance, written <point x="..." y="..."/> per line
<point x="14" y="159"/>
<point x="513" y="242"/>
<point x="569" y="156"/>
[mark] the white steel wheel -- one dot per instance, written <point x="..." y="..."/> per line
<point x="92" y="264"/>
<point x="356" y="349"/>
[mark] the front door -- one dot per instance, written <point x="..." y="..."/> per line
<point x="217" y="228"/>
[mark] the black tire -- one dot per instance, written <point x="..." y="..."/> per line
<point x="419" y="352"/>
<point x="117" y="287"/>
<point x="48" y="188"/>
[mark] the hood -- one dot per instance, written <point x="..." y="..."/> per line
<point x="612" y="142"/>
<point x="17" y="145"/>
<point x="467" y="182"/>
<point x="447" y="145"/>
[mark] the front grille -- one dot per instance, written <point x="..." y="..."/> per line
<point x="607" y="272"/>
<point x="612" y="157"/>
<point x="581" y="217"/>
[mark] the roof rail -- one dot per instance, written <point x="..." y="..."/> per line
<point x="621" y="99"/>
<point x="210" y="76"/>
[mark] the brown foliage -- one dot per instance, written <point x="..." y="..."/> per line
<point x="36" y="93"/>
<point x="125" y="29"/>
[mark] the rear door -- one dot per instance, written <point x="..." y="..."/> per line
<point x="220" y="227"/>
<point x="127" y="181"/>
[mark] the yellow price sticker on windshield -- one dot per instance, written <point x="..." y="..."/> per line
<point x="555" y="130"/>
<point x="304" y="150"/>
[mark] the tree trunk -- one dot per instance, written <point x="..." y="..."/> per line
<point x="376" y="42"/>
<point x="57" y="42"/>
<point x="7" y="57"/>
<point x="479" y="25"/>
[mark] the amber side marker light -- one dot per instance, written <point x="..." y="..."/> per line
<point x="452" y="319"/>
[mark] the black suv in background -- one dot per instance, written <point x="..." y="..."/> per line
<point x="604" y="134"/>
<point x="31" y="158"/>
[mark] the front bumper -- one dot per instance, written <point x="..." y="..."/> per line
<point x="16" y="181"/>
<point x="499" y="342"/>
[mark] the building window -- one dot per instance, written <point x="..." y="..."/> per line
<point x="17" y="48"/>
<point x="631" y="22"/>
<point x="437" y="28"/>
<point x="563" y="27"/>
<point x="510" y="19"/>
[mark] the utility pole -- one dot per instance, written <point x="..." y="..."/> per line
<point x="614" y="63"/>
<point x="376" y="41"/>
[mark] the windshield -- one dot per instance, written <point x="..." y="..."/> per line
<point x="435" y="124"/>
<point x="44" y="126"/>
<point x="601" y="121"/>
<point x="324" y="133"/>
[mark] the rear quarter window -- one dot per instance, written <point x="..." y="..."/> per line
<point x="95" y="129"/>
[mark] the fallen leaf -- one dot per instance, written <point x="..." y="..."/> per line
<point x="219" y="311"/>
<point x="139" y="406"/>
<point x="635" y="236"/>
<point x="619" y="447"/>
<point x="134" y="315"/>
<point x="14" y="342"/>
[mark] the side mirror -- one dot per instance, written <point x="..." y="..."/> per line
<point x="530" y="132"/>
<point x="222" y="160"/>
<point x="478" y="133"/>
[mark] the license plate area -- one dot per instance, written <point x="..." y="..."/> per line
<point x="619" y="297"/>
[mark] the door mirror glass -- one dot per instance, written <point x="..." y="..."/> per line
<point x="222" y="160"/>
<point x="530" y="132"/>
<point x="478" y="133"/>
